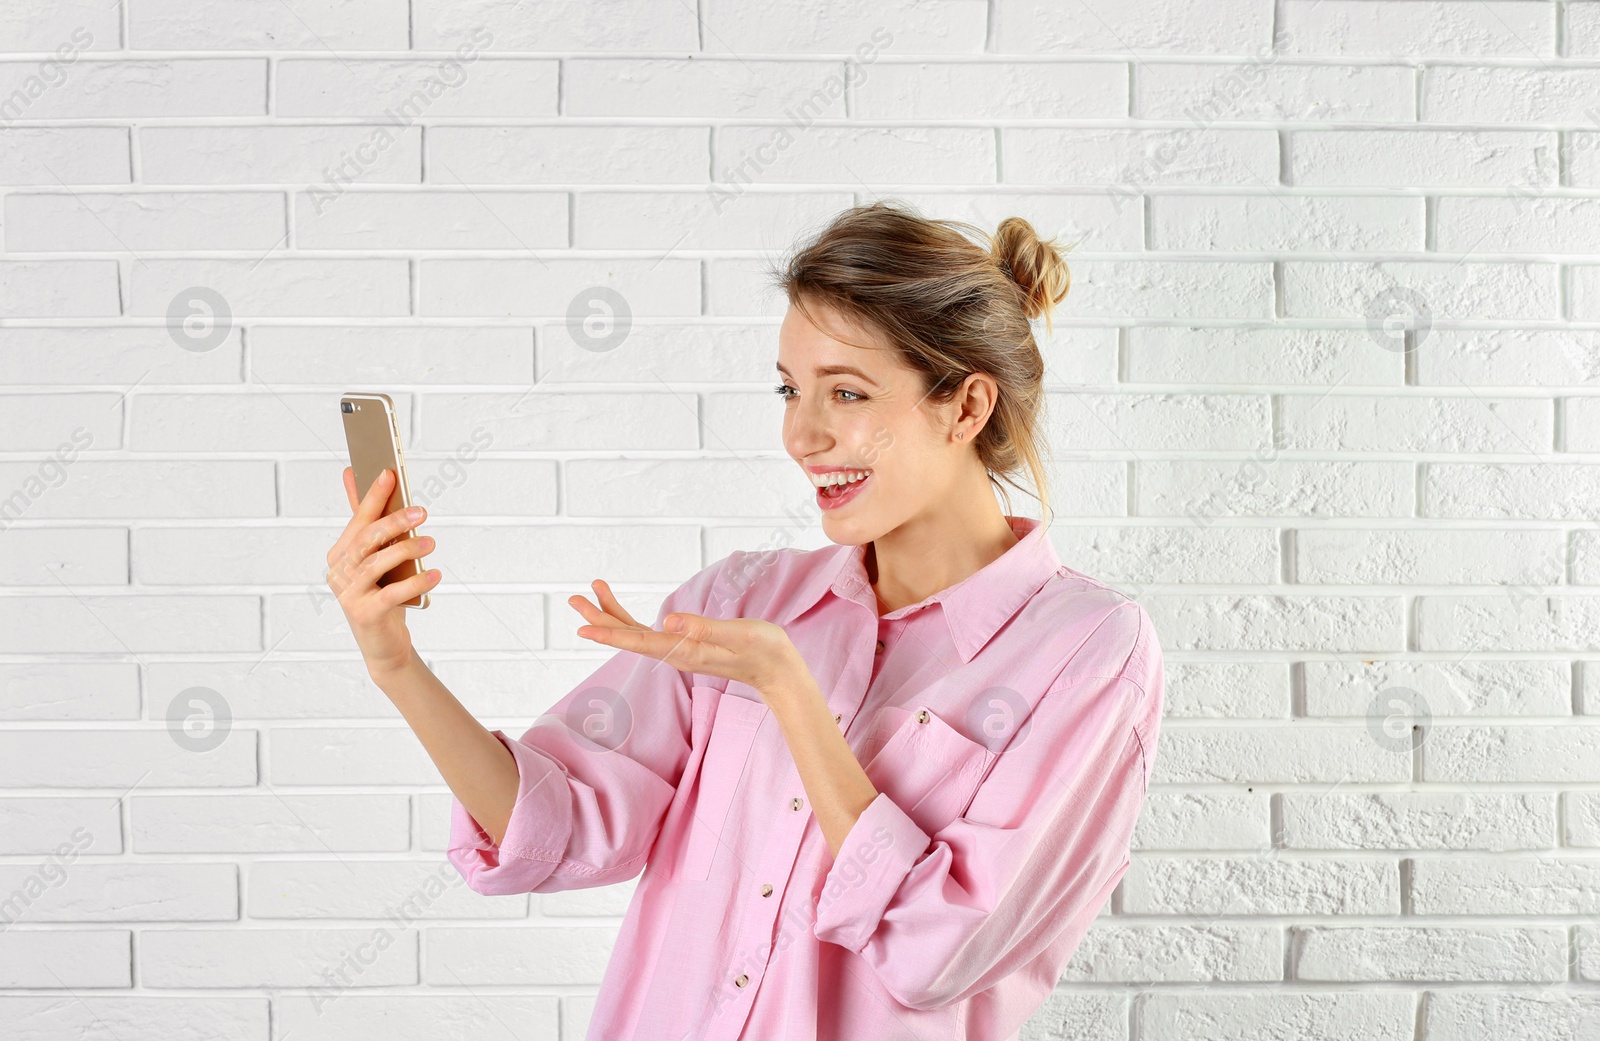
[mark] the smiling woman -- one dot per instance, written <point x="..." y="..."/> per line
<point x="875" y="790"/>
<point x="907" y="320"/>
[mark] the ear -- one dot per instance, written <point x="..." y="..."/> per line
<point x="973" y="403"/>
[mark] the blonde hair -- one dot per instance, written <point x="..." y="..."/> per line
<point x="951" y="308"/>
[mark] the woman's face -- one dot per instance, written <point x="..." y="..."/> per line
<point x="852" y="407"/>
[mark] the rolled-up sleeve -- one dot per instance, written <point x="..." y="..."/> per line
<point x="945" y="916"/>
<point x="595" y="773"/>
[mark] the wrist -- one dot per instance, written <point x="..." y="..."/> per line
<point x="386" y="675"/>
<point x="794" y="689"/>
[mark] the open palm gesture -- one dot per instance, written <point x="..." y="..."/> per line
<point x="749" y="650"/>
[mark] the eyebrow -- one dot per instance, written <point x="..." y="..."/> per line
<point x="835" y="370"/>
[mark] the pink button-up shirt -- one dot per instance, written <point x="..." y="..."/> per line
<point x="1009" y="723"/>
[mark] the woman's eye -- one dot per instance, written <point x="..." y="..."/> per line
<point x="853" y="395"/>
<point x="783" y="390"/>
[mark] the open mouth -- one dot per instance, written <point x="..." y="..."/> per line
<point x="837" y="488"/>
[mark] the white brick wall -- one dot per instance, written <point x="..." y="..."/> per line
<point x="1337" y="536"/>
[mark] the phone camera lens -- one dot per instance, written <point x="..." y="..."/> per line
<point x="345" y="406"/>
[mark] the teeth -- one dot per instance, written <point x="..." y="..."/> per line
<point x="840" y="477"/>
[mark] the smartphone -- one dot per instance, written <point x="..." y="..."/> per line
<point x="373" y="437"/>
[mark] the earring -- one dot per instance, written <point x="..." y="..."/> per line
<point x="960" y="436"/>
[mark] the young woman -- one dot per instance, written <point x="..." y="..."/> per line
<point x="877" y="790"/>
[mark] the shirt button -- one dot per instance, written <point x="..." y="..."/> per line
<point x="766" y="889"/>
<point x="922" y="715"/>
<point x="837" y="716"/>
<point x="740" y="980"/>
<point x="795" y="804"/>
<point x="880" y="646"/>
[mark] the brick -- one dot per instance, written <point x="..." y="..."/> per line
<point x="81" y="891"/>
<point x="52" y="960"/>
<point x="562" y="154"/>
<point x="954" y="27"/>
<point x="68" y="689"/>
<point x="1034" y="26"/>
<point x="64" y="155"/>
<point x="1418" y="820"/>
<point x="743" y="155"/>
<point x="708" y="86"/>
<point x="135" y="1018"/>
<point x="330" y="959"/>
<point x="513" y="288"/>
<point x="1123" y="162"/>
<point x="462" y="84"/>
<point x="276" y="287"/>
<point x="96" y="88"/>
<point x="1439" y="28"/>
<point x="147" y="222"/>
<point x="1269" y="89"/>
<point x="320" y="157"/>
<point x="356" y="354"/>
<point x="59" y="289"/>
<point x="1434" y="954"/>
<point x="1448" y="688"/>
<point x="448" y="24"/>
<point x="1407" y="157"/>
<point x="1226" y="689"/>
<point x="1232" y="887"/>
<point x="275" y="823"/>
<point x="77" y="556"/>
<point x="1288" y="223"/>
<point x="260" y="24"/>
<point x="122" y="759"/>
<point x="432" y="220"/>
<point x="993" y="90"/>
<point x="397" y="892"/>
<point x="1276" y="754"/>
<point x="42" y="825"/>
<point x="1251" y="1015"/>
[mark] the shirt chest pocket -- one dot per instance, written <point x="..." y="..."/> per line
<point x="733" y="722"/>
<point x="929" y="768"/>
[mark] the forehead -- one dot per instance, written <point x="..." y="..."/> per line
<point x="828" y="337"/>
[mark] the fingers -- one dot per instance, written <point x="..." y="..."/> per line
<point x="359" y="518"/>
<point x="406" y="589"/>
<point x="350" y="488"/>
<point x="667" y="647"/>
<point x="594" y="615"/>
<point x="391" y="526"/>
<point x="359" y="574"/>
<point x="608" y="601"/>
<point x="371" y="506"/>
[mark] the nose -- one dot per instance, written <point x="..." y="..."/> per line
<point x="805" y="431"/>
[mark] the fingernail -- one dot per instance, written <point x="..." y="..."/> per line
<point x="414" y="513"/>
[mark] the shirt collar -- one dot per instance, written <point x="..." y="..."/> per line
<point x="974" y="608"/>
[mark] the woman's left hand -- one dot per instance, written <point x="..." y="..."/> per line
<point x="748" y="650"/>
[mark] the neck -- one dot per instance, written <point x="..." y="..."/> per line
<point x="937" y="549"/>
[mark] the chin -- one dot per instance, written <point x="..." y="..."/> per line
<point x="849" y="532"/>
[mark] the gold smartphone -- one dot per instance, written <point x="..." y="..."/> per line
<point x="373" y="437"/>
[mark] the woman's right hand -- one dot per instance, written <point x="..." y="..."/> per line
<point x="356" y="562"/>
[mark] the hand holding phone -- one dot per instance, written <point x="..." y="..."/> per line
<point x="372" y="435"/>
<point x="371" y="545"/>
<point x="375" y="565"/>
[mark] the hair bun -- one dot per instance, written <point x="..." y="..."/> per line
<point x="1036" y="266"/>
